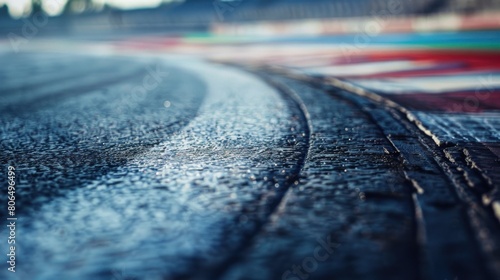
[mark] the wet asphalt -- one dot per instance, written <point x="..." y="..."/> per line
<point x="141" y="168"/>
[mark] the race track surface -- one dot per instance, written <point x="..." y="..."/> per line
<point x="162" y="167"/>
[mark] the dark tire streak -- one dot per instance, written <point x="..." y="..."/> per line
<point x="70" y="76"/>
<point x="40" y="102"/>
<point x="80" y="158"/>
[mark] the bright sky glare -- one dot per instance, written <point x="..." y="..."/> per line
<point x="18" y="8"/>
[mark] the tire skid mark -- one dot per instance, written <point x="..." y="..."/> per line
<point x="37" y="102"/>
<point x="72" y="143"/>
<point x="58" y="78"/>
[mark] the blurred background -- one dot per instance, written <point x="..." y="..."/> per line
<point x="203" y="15"/>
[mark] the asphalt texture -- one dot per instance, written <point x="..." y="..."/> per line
<point x="147" y="168"/>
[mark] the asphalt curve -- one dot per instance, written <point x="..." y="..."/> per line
<point x="139" y="168"/>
